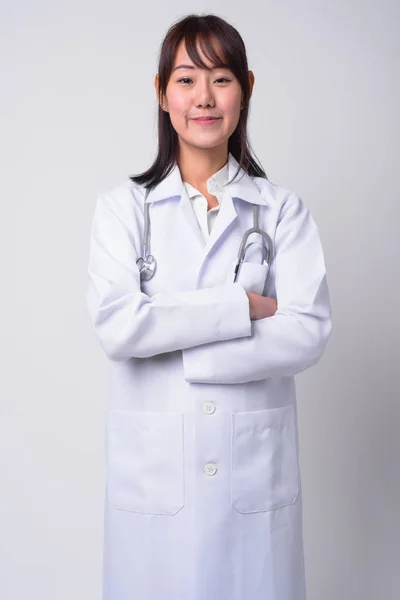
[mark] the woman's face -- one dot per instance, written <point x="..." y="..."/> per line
<point x="193" y="92"/>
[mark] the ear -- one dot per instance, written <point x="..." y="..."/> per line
<point x="251" y="82"/>
<point x="156" y="86"/>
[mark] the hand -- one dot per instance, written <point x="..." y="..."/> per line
<point x="261" y="306"/>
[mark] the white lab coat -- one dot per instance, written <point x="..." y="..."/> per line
<point x="203" y="490"/>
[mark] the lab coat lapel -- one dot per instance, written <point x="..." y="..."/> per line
<point x="191" y="219"/>
<point x="172" y="187"/>
<point x="226" y="216"/>
<point x="242" y="187"/>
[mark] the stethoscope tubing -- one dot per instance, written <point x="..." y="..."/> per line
<point x="149" y="263"/>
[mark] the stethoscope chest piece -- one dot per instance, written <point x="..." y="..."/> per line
<point x="147" y="267"/>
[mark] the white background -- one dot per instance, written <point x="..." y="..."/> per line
<point x="78" y="115"/>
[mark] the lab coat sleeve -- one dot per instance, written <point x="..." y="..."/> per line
<point x="295" y="337"/>
<point x="129" y="323"/>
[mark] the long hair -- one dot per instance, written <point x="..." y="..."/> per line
<point x="202" y="28"/>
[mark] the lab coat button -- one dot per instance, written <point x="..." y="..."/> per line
<point x="209" y="408"/>
<point x="210" y="469"/>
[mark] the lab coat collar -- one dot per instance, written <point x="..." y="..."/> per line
<point x="243" y="186"/>
<point x="215" y="183"/>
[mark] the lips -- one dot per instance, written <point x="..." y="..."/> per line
<point x="206" y="119"/>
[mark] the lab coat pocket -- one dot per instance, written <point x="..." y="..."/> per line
<point x="252" y="276"/>
<point x="145" y="461"/>
<point x="265" y="472"/>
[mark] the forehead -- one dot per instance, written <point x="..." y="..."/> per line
<point x="182" y="56"/>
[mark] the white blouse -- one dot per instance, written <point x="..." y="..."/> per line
<point x="215" y="185"/>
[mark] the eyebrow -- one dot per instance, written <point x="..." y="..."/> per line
<point x="193" y="67"/>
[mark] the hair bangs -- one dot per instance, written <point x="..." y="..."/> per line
<point x="210" y="47"/>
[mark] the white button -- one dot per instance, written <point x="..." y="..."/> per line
<point x="210" y="469"/>
<point x="209" y="408"/>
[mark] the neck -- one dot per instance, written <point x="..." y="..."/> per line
<point x="198" y="164"/>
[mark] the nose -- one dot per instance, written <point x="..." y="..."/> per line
<point x="203" y="94"/>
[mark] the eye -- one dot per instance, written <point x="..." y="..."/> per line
<point x="221" y="79"/>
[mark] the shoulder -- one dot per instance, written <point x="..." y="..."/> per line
<point x="278" y="196"/>
<point x="124" y="193"/>
<point x="125" y="199"/>
<point x="119" y="212"/>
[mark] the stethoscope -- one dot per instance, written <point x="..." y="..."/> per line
<point x="147" y="264"/>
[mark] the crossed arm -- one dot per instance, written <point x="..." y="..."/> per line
<point x="219" y="329"/>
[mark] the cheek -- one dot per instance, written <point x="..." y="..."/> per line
<point x="231" y="104"/>
<point x="177" y="103"/>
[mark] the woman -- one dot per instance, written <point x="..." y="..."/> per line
<point x="203" y="494"/>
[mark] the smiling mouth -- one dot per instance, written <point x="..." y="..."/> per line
<point x="206" y="119"/>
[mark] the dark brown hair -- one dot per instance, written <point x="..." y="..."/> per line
<point x="205" y="29"/>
